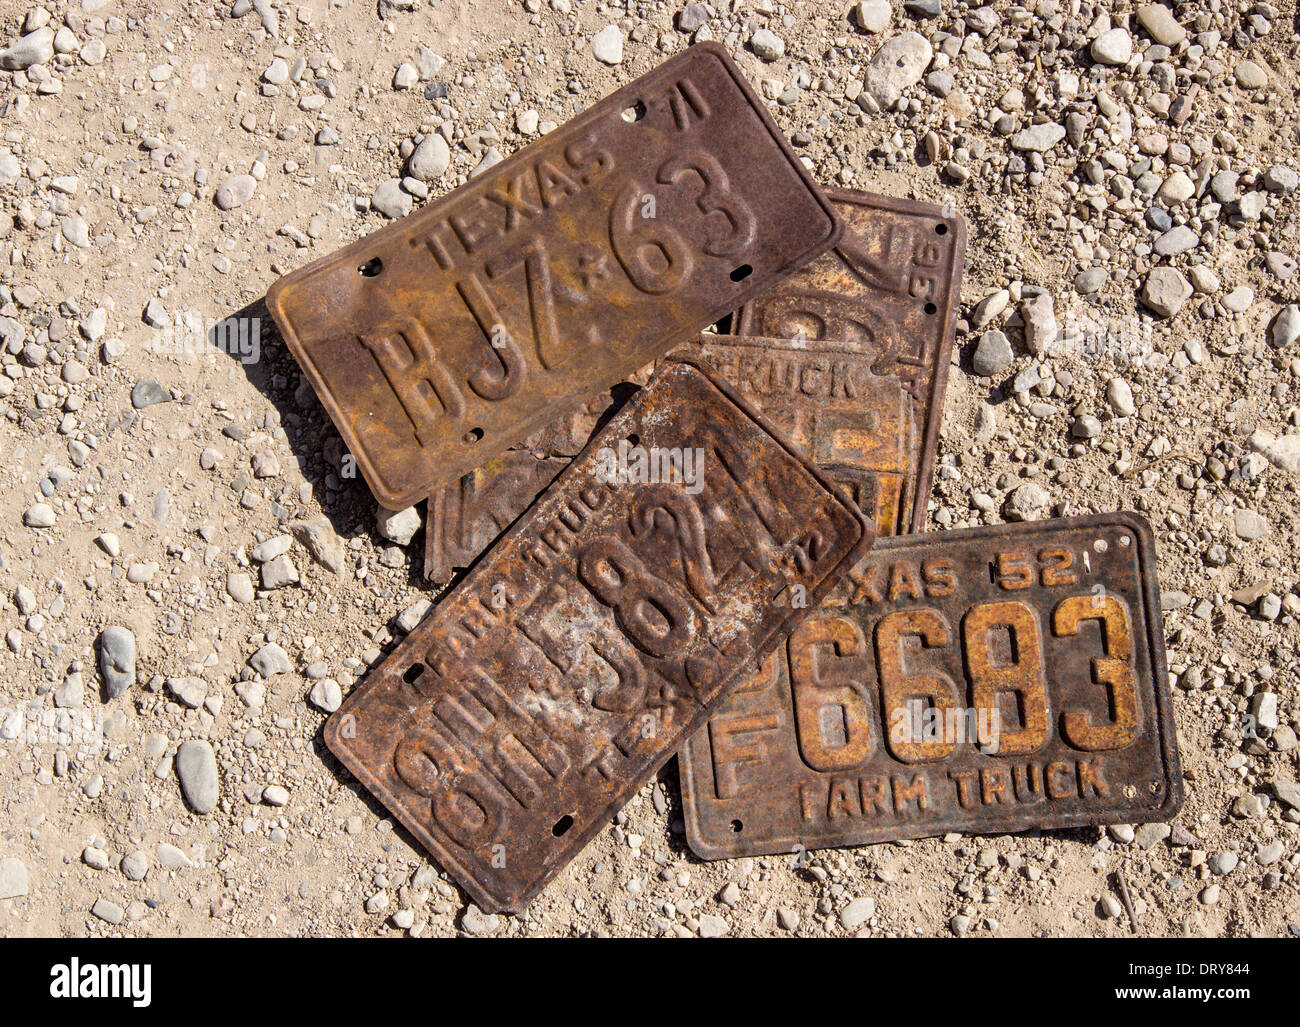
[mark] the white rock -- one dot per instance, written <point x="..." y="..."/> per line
<point x="490" y="159"/>
<point x="526" y="122"/>
<point x="1038" y="138"/>
<point x="326" y="695"/>
<point x="873" y="15"/>
<point x="988" y="309"/>
<point x="767" y="45"/>
<point x="428" y="63"/>
<point x="93" y="52"/>
<point x="1041" y="328"/>
<point x="1177" y="188"/>
<point x="13" y="878"/>
<point x="1286" y="326"/>
<point x="1239" y="299"/>
<point x="279" y="572"/>
<point x="65" y="41"/>
<point x="1250" y="75"/>
<point x="272" y="547"/>
<point x="34" y="48"/>
<point x="239" y="586"/>
<point x="398" y="526"/>
<point x="235" y="191"/>
<point x="898" y="64"/>
<point x="1113" y="47"/>
<point x="406" y="76"/>
<point x="39" y="515"/>
<point x="1249" y="525"/>
<point x="430" y="159"/>
<point x="172" y="858"/>
<point x="270" y="660"/>
<point x="1204" y="280"/>
<point x="135" y="865"/>
<point x="410" y="617"/>
<point x="1282" y="452"/>
<point x="390" y="199"/>
<point x="96" y="859"/>
<point x="76" y="231"/>
<point x="1160" y="25"/>
<point x="1119" y="394"/>
<point x="857" y="913"/>
<point x="189" y="691"/>
<point x="1028" y="502"/>
<point x="277" y="72"/>
<point x="607" y="45"/>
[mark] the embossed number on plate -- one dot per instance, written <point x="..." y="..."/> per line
<point x="584" y="648"/>
<point x="984" y="681"/>
<point x="438" y="342"/>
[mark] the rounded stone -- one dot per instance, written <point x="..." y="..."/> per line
<point x="1113" y="47"/>
<point x="767" y="45"/>
<point x="117" y="660"/>
<point x="873" y="15"/>
<point x="135" y="865"/>
<point x="992" y="354"/>
<point x="430" y="159"/>
<point x="39" y="515"/>
<point x="196" y="768"/>
<point x="1090" y="281"/>
<point x="391" y="201"/>
<point x="235" y="191"/>
<point x="898" y="64"/>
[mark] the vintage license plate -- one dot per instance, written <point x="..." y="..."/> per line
<point x="987" y="680"/>
<point x="463" y="519"/>
<point x="585" y="646"/>
<point x="440" y="341"/>
<point x="888" y="293"/>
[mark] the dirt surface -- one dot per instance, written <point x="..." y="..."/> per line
<point x="139" y="505"/>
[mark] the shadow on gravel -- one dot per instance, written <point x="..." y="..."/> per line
<point x="335" y="484"/>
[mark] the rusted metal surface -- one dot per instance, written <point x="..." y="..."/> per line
<point x="583" y="649"/>
<point x="874" y="720"/>
<point x="887" y="292"/>
<point x="856" y="425"/>
<point x="463" y="519"/>
<point x="438" y="342"/>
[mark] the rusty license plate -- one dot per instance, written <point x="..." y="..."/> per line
<point x="585" y="646"/>
<point x="884" y="298"/>
<point x="986" y="680"/>
<point x="438" y="342"/>
<point x="463" y="519"/>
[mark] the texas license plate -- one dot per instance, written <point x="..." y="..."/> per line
<point x="883" y="300"/>
<point x="594" y="638"/>
<point x="985" y="681"/>
<point x="438" y="342"/>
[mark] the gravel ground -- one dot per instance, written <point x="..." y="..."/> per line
<point x="193" y="575"/>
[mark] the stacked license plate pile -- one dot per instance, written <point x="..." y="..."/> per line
<point x="672" y="553"/>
